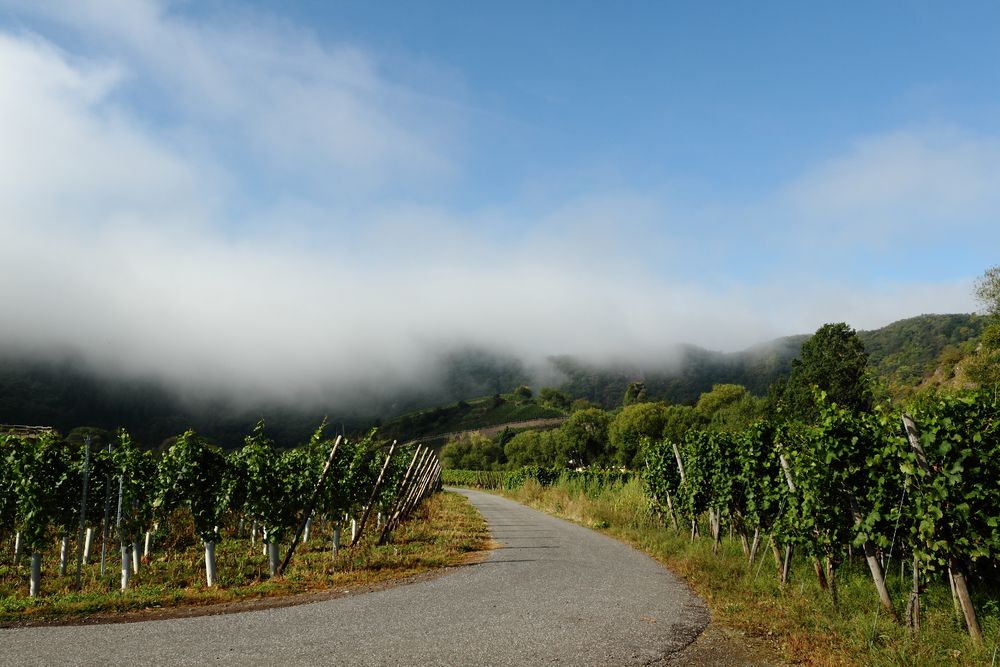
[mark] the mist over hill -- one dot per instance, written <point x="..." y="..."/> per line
<point x="65" y="392"/>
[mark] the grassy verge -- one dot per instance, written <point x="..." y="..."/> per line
<point x="799" y="620"/>
<point x="442" y="532"/>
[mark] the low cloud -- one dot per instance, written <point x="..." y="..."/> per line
<point x="127" y="237"/>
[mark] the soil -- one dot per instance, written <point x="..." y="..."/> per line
<point x="723" y="647"/>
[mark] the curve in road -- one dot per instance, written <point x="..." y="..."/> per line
<point x="551" y="593"/>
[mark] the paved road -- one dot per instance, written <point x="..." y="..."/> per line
<point x="551" y="593"/>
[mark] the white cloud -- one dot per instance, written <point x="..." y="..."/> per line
<point x="117" y="238"/>
<point x="323" y="114"/>
<point x="908" y="181"/>
<point x="67" y="158"/>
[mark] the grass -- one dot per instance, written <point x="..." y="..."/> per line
<point x="799" y="620"/>
<point x="442" y="532"/>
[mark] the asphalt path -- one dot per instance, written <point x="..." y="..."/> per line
<point x="551" y="593"/>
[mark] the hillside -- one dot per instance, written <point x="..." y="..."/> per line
<point x="694" y="372"/>
<point x="66" y="393"/>
<point x="907" y="352"/>
<point x="475" y="413"/>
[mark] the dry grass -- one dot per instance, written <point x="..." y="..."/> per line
<point x="443" y="532"/>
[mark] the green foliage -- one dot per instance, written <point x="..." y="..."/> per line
<point x="835" y="361"/>
<point x="137" y="475"/>
<point x="477" y="479"/>
<point x="471" y="451"/>
<point x="851" y="479"/>
<point x="258" y="487"/>
<point x="356" y="468"/>
<point x="955" y="499"/>
<point x="468" y="416"/>
<point x="543" y="475"/>
<point x="195" y="474"/>
<point x="903" y="354"/>
<point x="9" y="446"/>
<point x="585" y="436"/>
<point x="983" y="367"/>
<point x="729" y="407"/>
<point x="39" y="469"/>
<point x="537" y="448"/>
<point x="554" y="398"/>
<point x="987" y="290"/>
<point x="583" y="404"/>
<point x="678" y="420"/>
<point x="496" y="480"/>
<point x="721" y="396"/>
<point x="41" y="484"/>
<point x="660" y="474"/>
<point x="761" y="478"/>
<point x="522" y="393"/>
<point x="798" y="621"/>
<point x="847" y="479"/>
<point x="634" y="393"/>
<point x="628" y="429"/>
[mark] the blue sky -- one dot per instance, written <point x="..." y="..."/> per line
<point x="341" y="186"/>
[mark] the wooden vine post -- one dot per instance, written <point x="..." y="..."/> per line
<point x="107" y="516"/>
<point x="422" y="482"/>
<point x="400" y="492"/>
<point x="374" y="495"/>
<point x="309" y="508"/>
<point x="418" y="479"/>
<point x="83" y="512"/>
<point x="680" y="470"/>
<point x="787" y="564"/>
<point x="874" y="565"/>
<point x="670" y="505"/>
<point x="955" y="568"/>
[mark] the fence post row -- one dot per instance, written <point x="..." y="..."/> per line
<point x="374" y="494"/>
<point x="403" y="486"/>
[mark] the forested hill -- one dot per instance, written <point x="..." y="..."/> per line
<point x="692" y="371"/>
<point x="908" y="351"/>
<point x="65" y="393"/>
<point x="902" y="354"/>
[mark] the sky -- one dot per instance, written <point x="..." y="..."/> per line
<point x="289" y="196"/>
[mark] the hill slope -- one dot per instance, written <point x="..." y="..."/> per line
<point x="65" y="393"/>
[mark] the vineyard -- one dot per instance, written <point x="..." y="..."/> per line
<point x="103" y="513"/>
<point x="919" y="489"/>
<point x="504" y="480"/>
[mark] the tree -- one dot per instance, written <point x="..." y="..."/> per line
<point x="988" y="291"/>
<point x="523" y="393"/>
<point x="635" y="393"/>
<point x="678" y="420"/>
<point x="730" y="407"/>
<point x="628" y="428"/>
<point x="582" y="404"/>
<point x="721" y="396"/>
<point x="554" y="398"/>
<point x="835" y="361"/>
<point x="541" y="448"/>
<point x="585" y="435"/>
<point x="470" y="451"/>
<point x="983" y="367"/>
